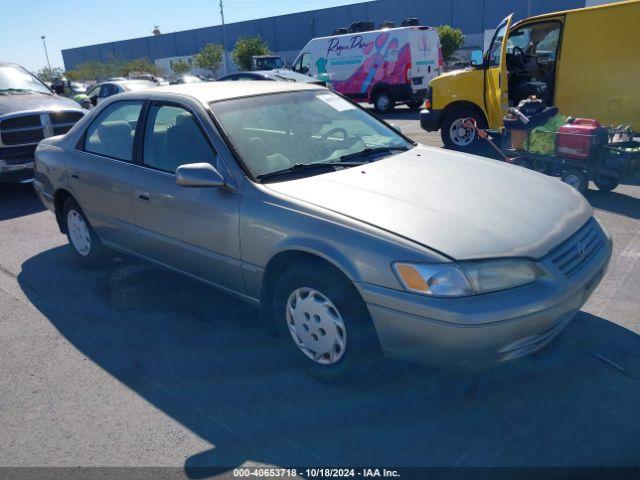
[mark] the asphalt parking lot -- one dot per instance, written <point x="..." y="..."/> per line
<point x="130" y="365"/>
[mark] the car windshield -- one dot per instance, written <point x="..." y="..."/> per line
<point x="279" y="131"/>
<point x="18" y="80"/>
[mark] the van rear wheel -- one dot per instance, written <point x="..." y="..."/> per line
<point x="456" y="135"/>
<point x="383" y="101"/>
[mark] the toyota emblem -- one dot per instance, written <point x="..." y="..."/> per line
<point x="582" y="249"/>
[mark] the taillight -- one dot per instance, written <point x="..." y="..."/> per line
<point x="427" y="104"/>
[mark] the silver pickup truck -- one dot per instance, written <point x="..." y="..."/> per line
<point x="29" y="112"/>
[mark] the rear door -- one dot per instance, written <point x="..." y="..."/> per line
<point x="194" y="230"/>
<point x="425" y="50"/>
<point x="101" y="168"/>
<point x="496" y="94"/>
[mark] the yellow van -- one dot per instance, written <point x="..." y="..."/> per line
<point x="584" y="61"/>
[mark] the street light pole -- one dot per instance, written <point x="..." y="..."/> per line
<point x="47" y="55"/>
<point x="224" y="41"/>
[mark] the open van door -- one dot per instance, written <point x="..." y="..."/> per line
<point x="496" y="80"/>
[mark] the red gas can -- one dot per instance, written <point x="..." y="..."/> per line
<point x="575" y="140"/>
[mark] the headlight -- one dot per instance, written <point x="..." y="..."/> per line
<point x="465" y="278"/>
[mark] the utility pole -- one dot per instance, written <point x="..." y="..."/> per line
<point x="225" y="61"/>
<point x="47" y="55"/>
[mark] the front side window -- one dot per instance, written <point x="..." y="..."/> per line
<point x="111" y="133"/>
<point x="278" y="131"/>
<point x="495" y="51"/>
<point x="173" y="138"/>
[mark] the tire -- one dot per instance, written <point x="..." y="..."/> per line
<point x="576" y="179"/>
<point x="605" y="182"/>
<point x="383" y="101"/>
<point x="451" y="130"/>
<point x="83" y="240"/>
<point x="342" y="329"/>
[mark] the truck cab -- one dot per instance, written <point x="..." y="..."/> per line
<point x="560" y="57"/>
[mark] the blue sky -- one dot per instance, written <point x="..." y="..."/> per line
<point x="73" y="23"/>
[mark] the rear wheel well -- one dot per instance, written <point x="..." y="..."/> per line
<point x="282" y="262"/>
<point x="461" y="104"/>
<point x="59" y="198"/>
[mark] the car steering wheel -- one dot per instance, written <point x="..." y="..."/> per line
<point x="341" y="130"/>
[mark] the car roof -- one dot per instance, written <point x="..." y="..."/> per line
<point x="206" y="92"/>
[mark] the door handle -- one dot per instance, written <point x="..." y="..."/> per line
<point x="144" y="196"/>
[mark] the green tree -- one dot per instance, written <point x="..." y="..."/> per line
<point x="93" y="71"/>
<point x="247" y="47"/>
<point x="180" y="66"/>
<point x="210" y="57"/>
<point x="47" y="75"/>
<point x="451" y="39"/>
<point x="139" y="65"/>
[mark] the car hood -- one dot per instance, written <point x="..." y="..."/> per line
<point x="35" y="101"/>
<point x="463" y="206"/>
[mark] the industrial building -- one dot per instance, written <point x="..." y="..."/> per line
<point x="287" y="34"/>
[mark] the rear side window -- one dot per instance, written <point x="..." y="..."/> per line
<point x="111" y="133"/>
<point x="173" y="138"/>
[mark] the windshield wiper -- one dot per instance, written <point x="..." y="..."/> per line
<point x="307" y="166"/>
<point x="371" y="150"/>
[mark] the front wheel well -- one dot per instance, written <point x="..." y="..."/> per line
<point x="60" y="196"/>
<point x="460" y="104"/>
<point x="282" y="262"/>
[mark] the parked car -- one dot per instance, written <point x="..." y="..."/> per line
<point x="348" y="235"/>
<point x="272" y="75"/>
<point x="29" y="112"/>
<point x="149" y="77"/>
<point x="383" y="67"/>
<point x="184" y="79"/>
<point x="100" y="91"/>
<point x="266" y="62"/>
<point x="583" y="61"/>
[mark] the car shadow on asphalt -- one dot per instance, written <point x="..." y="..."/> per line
<point x="615" y="202"/>
<point x="18" y="200"/>
<point x="201" y="357"/>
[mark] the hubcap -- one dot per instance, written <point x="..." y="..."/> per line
<point x="460" y="134"/>
<point x="572" y="180"/>
<point x="316" y="326"/>
<point x="79" y="233"/>
<point x="383" y="102"/>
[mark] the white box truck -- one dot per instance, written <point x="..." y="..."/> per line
<point x="383" y="67"/>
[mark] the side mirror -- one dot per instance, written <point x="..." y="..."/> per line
<point x="199" y="175"/>
<point x="396" y="127"/>
<point x="477" y="58"/>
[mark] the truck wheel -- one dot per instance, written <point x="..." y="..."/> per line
<point x="575" y="178"/>
<point x="455" y="135"/>
<point x="605" y="182"/>
<point x="383" y="101"/>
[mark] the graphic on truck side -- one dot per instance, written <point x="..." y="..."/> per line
<point x="382" y="60"/>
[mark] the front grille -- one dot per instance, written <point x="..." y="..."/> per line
<point x="24" y="121"/>
<point x="23" y="136"/>
<point x="31" y="128"/>
<point x="574" y="253"/>
<point x="64" y="117"/>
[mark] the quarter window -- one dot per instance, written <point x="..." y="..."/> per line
<point x="173" y="138"/>
<point x="111" y="133"/>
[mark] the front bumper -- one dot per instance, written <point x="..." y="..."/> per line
<point x="483" y="330"/>
<point x="429" y="120"/>
<point x="16" y="172"/>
